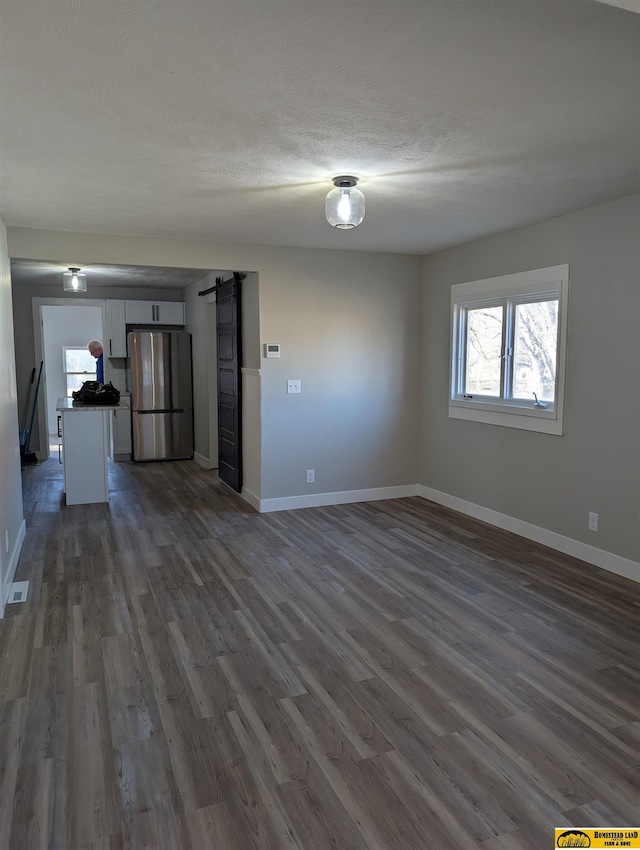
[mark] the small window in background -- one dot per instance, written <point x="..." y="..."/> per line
<point x="79" y="366"/>
<point x="508" y="349"/>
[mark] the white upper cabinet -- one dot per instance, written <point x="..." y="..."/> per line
<point x="154" y="312"/>
<point x="116" y="342"/>
<point x="170" y="312"/>
<point x="119" y="314"/>
<point x="140" y="312"/>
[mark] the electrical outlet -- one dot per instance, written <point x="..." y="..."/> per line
<point x="311" y="476"/>
<point x="293" y="386"/>
<point x="592" y="525"/>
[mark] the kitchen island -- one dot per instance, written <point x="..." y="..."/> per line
<point x="85" y="448"/>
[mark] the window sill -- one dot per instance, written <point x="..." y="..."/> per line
<point x="544" y="422"/>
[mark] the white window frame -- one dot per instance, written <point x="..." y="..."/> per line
<point x="86" y="375"/>
<point x="512" y="289"/>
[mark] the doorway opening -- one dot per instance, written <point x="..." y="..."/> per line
<point x="62" y="329"/>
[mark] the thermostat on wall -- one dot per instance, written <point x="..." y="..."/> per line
<point x="272" y="349"/>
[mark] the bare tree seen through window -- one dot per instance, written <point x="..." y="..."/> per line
<point x="535" y="341"/>
<point x="535" y="348"/>
<point x="484" y="350"/>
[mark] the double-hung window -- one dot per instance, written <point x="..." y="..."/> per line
<point x="78" y="365"/>
<point x="509" y="348"/>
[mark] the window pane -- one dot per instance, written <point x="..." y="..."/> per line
<point x="74" y="382"/>
<point x="79" y="360"/>
<point x="535" y="348"/>
<point x="484" y="351"/>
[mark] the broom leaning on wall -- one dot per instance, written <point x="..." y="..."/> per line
<point x="27" y="456"/>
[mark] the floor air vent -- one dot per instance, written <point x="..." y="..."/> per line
<point x="18" y="591"/>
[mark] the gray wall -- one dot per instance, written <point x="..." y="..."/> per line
<point x="202" y="330"/>
<point x="349" y="328"/>
<point x="551" y="481"/>
<point x="11" y="516"/>
<point x="251" y="354"/>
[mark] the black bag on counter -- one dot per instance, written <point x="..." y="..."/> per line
<point x="93" y="392"/>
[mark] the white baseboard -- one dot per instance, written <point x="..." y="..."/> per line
<point x="202" y="461"/>
<point x="343" y="497"/>
<point x="251" y="498"/>
<point x="13" y="563"/>
<point x="598" y="557"/>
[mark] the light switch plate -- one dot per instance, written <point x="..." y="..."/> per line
<point x="293" y="386"/>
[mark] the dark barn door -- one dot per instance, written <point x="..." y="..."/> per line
<point x="229" y="381"/>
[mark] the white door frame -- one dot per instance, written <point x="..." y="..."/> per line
<point x="38" y="346"/>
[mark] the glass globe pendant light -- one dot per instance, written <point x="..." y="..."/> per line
<point x="73" y="281"/>
<point x="344" y="206"/>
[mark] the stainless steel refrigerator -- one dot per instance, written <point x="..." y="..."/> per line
<point x="161" y="394"/>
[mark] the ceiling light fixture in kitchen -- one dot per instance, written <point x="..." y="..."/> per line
<point x="344" y="206"/>
<point x="73" y="281"/>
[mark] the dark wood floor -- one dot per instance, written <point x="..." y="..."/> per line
<point x="191" y="675"/>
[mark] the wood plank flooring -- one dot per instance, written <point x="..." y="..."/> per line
<point x="187" y="674"/>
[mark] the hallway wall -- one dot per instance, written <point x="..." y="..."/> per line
<point x="12" y="525"/>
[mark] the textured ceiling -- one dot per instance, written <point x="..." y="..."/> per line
<point x="226" y="120"/>
<point x="42" y="273"/>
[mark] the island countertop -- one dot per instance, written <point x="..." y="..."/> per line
<point x="67" y="404"/>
